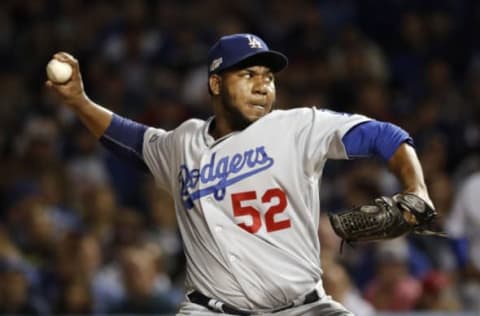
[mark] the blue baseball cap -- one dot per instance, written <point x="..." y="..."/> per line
<point x="231" y="50"/>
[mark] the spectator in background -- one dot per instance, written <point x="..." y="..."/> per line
<point x="372" y="100"/>
<point x="434" y="155"/>
<point x="37" y="149"/>
<point x="98" y="207"/>
<point x="410" y="52"/>
<point x="104" y="286"/>
<point x="86" y="167"/>
<point x="438" y="293"/>
<point x="463" y="224"/>
<point x="337" y="283"/>
<point x="128" y="229"/>
<point x="39" y="234"/>
<point x="21" y="197"/>
<point x="15" y="295"/>
<point x="139" y="275"/>
<point x="353" y="61"/>
<point x="162" y="230"/>
<point x="393" y="288"/>
<point x="357" y="58"/>
<point x="470" y="137"/>
<point x="56" y="192"/>
<point x="427" y="123"/>
<point x="75" y="298"/>
<point x="8" y="249"/>
<point x="438" y="250"/>
<point x="440" y="85"/>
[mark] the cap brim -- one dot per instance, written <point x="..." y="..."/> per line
<point x="274" y="60"/>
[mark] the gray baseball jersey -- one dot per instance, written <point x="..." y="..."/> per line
<point x="247" y="204"/>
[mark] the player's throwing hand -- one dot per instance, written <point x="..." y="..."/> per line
<point x="72" y="92"/>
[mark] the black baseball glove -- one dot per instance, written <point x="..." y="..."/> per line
<point x="385" y="218"/>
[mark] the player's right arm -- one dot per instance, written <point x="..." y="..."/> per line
<point x="95" y="117"/>
<point x="122" y="136"/>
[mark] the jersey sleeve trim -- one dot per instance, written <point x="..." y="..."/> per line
<point x="374" y="138"/>
<point x="124" y="138"/>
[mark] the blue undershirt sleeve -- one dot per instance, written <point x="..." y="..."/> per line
<point x="374" y="138"/>
<point x="124" y="137"/>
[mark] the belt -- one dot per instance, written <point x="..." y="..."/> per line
<point x="221" y="307"/>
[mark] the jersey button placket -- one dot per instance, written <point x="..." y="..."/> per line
<point x="204" y="201"/>
<point x="208" y="202"/>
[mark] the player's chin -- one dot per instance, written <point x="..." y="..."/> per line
<point x="254" y="112"/>
<point x="253" y="117"/>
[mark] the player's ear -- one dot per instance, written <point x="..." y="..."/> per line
<point x="214" y="84"/>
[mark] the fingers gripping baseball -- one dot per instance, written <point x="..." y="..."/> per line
<point x="68" y="89"/>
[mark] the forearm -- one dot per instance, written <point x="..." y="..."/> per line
<point x="95" y="117"/>
<point x="405" y="165"/>
<point x="124" y="137"/>
<point x="120" y="135"/>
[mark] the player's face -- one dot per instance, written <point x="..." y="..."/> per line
<point x="248" y="93"/>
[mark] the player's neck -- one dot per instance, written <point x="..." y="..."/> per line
<point x="226" y="121"/>
<point x="221" y="126"/>
<point x="218" y="128"/>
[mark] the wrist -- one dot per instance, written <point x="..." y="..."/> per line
<point x="422" y="193"/>
<point x="79" y="102"/>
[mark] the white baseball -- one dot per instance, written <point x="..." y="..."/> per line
<point x="59" y="71"/>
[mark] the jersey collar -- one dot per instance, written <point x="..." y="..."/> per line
<point x="207" y="138"/>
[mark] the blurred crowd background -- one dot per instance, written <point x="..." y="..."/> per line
<point x="83" y="233"/>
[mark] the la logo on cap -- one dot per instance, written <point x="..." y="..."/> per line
<point x="253" y="42"/>
<point x="230" y="50"/>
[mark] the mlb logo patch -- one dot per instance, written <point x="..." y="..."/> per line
<point x="216" y="63"/>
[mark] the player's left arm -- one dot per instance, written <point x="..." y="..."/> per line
<point x="406" y="166"/>
<point x="395" y="146"/>
<point x="387" y="217"/>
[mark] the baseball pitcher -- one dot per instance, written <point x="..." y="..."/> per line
<point x="246" y="183"/>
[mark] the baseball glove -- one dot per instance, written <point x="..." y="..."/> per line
<point x="385" y="218"/>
